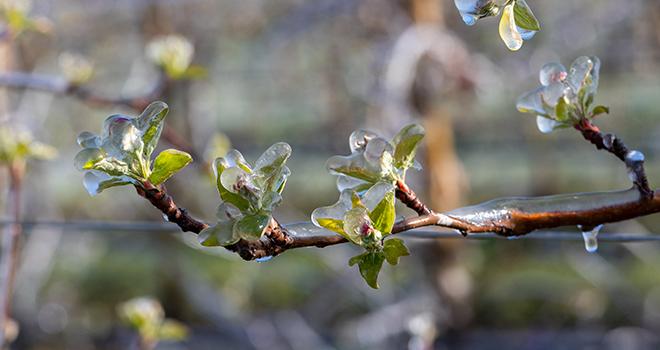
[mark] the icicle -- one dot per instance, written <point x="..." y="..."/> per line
<point x="590" y="238"/>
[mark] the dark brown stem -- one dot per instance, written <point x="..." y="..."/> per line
<point x="10" y="248"/>
<point x="408" y="197"/>
<point x="615" y="146"/>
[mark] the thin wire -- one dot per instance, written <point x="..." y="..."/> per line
<point x="168" y="228"/>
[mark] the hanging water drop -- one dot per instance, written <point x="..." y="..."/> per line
<point x="634" y="156"/>
<point x="590" y="238"/>
<point x="546" y="125"/>
<point x="263" y="259"/>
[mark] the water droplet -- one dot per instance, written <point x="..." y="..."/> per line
<point x="590" y="238"/>
<point x="608" y="140"/>
<point x="263" y="259"/>
<point x="509" y="31"/>
<point x="634" y="156"/>
<point x="546" y="125"/>
<point x="166" y="218"/>
<point x="469" y="19"/>
<point x="551" y="73"/>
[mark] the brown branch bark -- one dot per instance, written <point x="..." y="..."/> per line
<point x="505" y="216"/>
<point x="408" y="197"/>
<point x="615" y="146"/>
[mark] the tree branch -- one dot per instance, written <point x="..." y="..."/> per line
<point x="615" y="146"/>
<point x="504" y="216"/>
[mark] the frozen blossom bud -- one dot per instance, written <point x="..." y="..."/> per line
<point x="77" y="69"/>
<point x="173" y="53"/>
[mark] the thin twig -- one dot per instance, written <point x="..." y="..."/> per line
<point x="615" y="146"/>
<point x="10" y="248"/>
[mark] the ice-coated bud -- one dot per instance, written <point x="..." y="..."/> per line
<point x="552" y="73"/>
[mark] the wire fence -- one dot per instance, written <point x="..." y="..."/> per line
<point x="153" y="227"/>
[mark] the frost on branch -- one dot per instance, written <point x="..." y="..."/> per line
<point x="565" y="97"/>
<point x="121" y="155"/>
<point x="365" y="221"/>
<point x="517" y="23"/>
<point x="248" y="195"/>
<point x="374" y="159"/>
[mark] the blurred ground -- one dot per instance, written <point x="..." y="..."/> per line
<point x="310" y="72"/>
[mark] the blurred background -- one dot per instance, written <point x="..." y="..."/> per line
<point x="309" y="73"/>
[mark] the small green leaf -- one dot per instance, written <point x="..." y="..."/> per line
<point x="167" y="163"/>
<point x="406" y="142"/>
<point x="524" y="17"/>
<point x="251" y="227"/>
<point x="384" y="215"/>
<point x="369" y="264"/>
<point x="393" y="249"/>
<point x="562" y="110"/>
<point x="334" y="225"/>
<point x="600" y="110"/>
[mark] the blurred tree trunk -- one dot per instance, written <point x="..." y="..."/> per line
<point x="445" y="179"/>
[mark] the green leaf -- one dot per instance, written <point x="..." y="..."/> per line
<point x="167" y="163"/>
<point x="251" y="227"/>
<point x="384" y="215"/>
<point x="334" y="225"/>
<point x="524" y="17"/>
<point x="562" y="110"/>
<point x="369" y="264"/>
<point x="406" y="142"/>
<point x="150" y="123"/>
<point x="393" y="249"/>
<point x="600" y="110"/>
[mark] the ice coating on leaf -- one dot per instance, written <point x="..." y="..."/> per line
<point x="125" y="146"/>
<point x="531" y="102"/>
<point x="88" y="140"/>
<point x="374" y="158"/>
<point x="552" y="73"/>
<point x="86" y="158"/>
<point x="330" y="217"/>
<point x="472" y="10"/>
<point x="584" y="73"/>
<point x="220" y="234"/>
<point x="546" y="125"/>
<point x="95" y="182"/>
<point x="359" y="139"/>
<point x="565" y="97"/>
<point x="508" y="29"/>
<point x="591" y="238"/>
<point x="375" y="150"/>
<point x="251" y="227"/>
<point x="376" y="194"/>
<point x="234" y="179"/>
<point x="227" y="212"/>
<point x="273" y="158"/>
